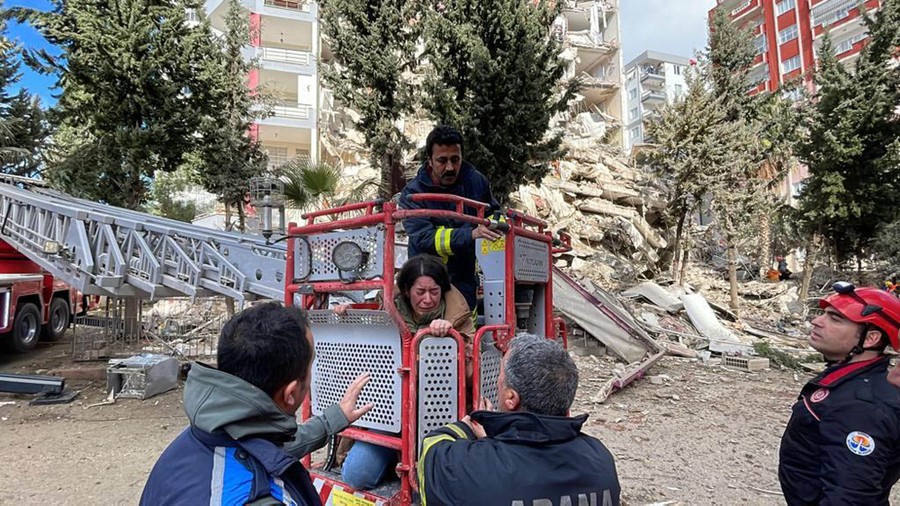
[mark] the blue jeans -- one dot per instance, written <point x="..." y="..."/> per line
<point x="366" y="465"/>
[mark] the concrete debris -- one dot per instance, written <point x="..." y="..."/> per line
<point x="703" y="317"/>
<point x="657" y="295"/>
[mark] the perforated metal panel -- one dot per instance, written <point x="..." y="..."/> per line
<point x="312" y="256"/>
<point x="438" y="384"/>
<point x="362" y="341"/>
<point x="490" y="373"/>
<point x="532" y="260"/>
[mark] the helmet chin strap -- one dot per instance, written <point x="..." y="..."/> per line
<point x="860" y="344"/>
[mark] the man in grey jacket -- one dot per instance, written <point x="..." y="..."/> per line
<point x="244" y="441"/>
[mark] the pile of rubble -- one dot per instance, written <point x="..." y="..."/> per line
<point x="612" y="211"/>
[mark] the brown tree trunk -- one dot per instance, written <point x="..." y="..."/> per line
<point x="813" y="248"/>
<point x="676" y="258"/>
<point x="685" y="254"/>
<point x="731" y="248"/>
<point x="765" y="243"/>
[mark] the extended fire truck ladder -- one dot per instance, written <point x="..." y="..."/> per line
<point x="105" y="250"/>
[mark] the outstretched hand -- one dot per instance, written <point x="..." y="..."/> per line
<point x="351" y="397"/>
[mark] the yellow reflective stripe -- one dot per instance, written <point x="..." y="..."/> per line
<point x="447" y="234"/>
<point x="439" y="243"/>
<point x="457" y="430"/>
<point x="429" y="442"/>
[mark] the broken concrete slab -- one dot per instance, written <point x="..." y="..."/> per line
<point x="655" y="294"/>
<point x="721" y="340"/>
<point x="591" y="315"/>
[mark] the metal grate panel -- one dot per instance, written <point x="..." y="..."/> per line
<point x="364" y="341"/>
<point x="532" y="260"/>
<point x="490" y="373"/>
<point x="312" y="259"/>
<point x="438" y="384"/>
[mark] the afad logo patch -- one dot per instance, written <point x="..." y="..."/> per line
<point x="860" y="443"/>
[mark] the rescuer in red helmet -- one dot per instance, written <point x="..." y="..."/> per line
<point x="842" y="443"/>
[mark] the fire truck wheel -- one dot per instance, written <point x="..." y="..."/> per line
<point x="59" y="320"/>
<point x="26" y="328"/>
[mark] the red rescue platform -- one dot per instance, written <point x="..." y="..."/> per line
<point x="418" y="382"/>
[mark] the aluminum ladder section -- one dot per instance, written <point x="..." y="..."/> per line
<point x="106" y="250"/>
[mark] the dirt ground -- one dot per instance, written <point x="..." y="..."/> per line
<point x="707" y="435"/>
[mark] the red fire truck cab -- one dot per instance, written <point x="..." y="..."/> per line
<point x="33" y="304"/>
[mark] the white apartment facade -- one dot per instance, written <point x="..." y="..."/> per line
<point x="590" y="33"/>
<point x="652" y="80"/>
<point x="285" y="43"/>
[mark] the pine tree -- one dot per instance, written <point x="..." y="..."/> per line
<point x="686" y="140"/>
<point x="495" y="74"/>
<point x="228" y="156"/>
<point x="130" y="103"/>
<point x="853" y="145"/>
<point x="374" y="44"/>
<point x="25" y="130"/>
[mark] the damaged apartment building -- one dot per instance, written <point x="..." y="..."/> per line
<point x="590" y="33"/>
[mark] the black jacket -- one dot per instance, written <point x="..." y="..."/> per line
<point x="449" y="239"/>
<point x="525" y="459"/>
<point x="842" y="443"/>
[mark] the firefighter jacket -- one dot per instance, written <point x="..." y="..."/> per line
<point x="240" y="448"/>
<point x="448" y="239"/>
<point x="842" y="443"/>
<point x="525" y="460"/>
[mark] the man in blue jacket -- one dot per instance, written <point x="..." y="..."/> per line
<point x="444" y="171"/>
<point x="530" y="452"/>
<point x="243" y="444"/>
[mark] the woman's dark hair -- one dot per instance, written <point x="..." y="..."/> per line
<point x="423" y="265"/>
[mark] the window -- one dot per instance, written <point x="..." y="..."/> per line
<point x="761" y="44"/>
<point x="794" y="94"/>
<point x="633" y="113"/>
<point x="632" y="94"/>
<point x="677" y="69"/>
<point x="789" y="33"/>
<point x="679" y="90"/>
<point x="790" y="65"/>
<point x="278" y="156"/>
<point x="848" y="44"/>
<point x="635" y="132"/>
<point x="784" y="6"/>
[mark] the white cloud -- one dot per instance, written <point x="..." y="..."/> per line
<point x="671" y="26"/>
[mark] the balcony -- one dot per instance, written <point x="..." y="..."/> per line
<point x="653" y="77"/>
<point x="832" y="11"/>
<point x="653" y="97"/>
<point x="293" y="61"/>
<point x="288" y="113"/>
<point x="278" y="54"/>
<point x="289" y="5"/>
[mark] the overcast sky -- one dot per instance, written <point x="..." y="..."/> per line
<point x="671" y="26"/>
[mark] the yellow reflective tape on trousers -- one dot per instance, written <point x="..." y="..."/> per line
<point x="429" y="442"/>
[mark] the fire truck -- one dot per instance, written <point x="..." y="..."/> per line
<point x="34" y="304"/>
<point x="418" y="381"/>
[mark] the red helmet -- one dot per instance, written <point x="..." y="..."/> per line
<point x="876" y="307"/>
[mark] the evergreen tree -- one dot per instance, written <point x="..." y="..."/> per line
<point x="25" y="128"/>
<point x="495" y="74"/>
<point x="130" y="103"/>
<point x="686" y="141"/>
<point x="228" y="156"/>
<point x="853" y="143"/>
<point x="374" y="44"/>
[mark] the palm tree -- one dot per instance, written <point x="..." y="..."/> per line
<point x="316" y="185"/>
